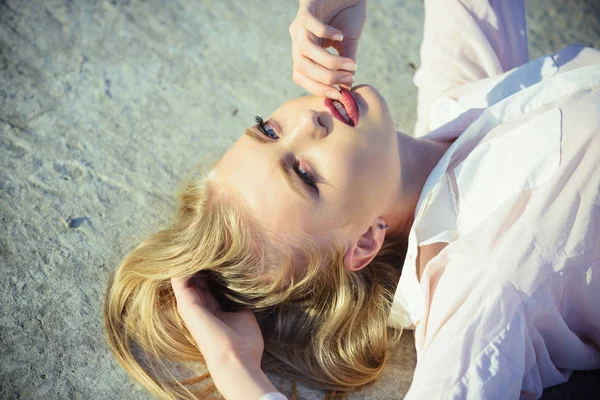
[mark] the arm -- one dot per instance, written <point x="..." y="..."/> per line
<point x="250" y="381"/>
<point x="230" y="342"/>
<point x="465" y="41"/>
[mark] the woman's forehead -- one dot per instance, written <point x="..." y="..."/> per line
<point x="257" y="183"/>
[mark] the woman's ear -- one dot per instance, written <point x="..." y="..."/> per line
<point x="362" y="251"/>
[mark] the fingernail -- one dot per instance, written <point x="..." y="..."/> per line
<point x="333" y="95"/>
<point x="349" y="66"/>
<point x="337" y="36"/>
<point x="347" y="79"/>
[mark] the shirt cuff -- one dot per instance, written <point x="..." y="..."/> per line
<point x="273" y="396"/>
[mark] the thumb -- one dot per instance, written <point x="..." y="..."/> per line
<point x="347" y="48"/>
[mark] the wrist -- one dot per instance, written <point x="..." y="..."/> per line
<point x="328" y="10"/>
<point x="250" y="381"/>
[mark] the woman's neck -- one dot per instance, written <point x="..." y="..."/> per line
<point x="417" y="158"/>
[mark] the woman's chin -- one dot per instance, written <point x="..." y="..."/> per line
<point x="372" y="106"/>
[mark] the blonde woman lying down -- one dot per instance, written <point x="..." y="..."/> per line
<point x="322" y="232"/>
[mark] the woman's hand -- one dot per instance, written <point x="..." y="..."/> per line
<point x="220" y="336"/>
<point x="321" y="24"/>
<point x="231" y="343"/>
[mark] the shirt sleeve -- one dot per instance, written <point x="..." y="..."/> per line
<point x="465" y="41"/>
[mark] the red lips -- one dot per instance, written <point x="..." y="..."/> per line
<point x="350" y="106"/>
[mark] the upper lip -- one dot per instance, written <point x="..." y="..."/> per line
<point x="350" y="105"/>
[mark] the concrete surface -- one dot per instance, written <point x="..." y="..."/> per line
<point x="104" y="105"/>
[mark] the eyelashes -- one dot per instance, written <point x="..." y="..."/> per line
<point x="266" y="129"/>
<point x="269" y="132"/>
<point x="305" y="176"/>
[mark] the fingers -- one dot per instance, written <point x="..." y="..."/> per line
<point x="193" y="292"/>
<point x="307" y="46"/>
<point x="317" y="70"/>
<point x="316" y="88"/>
<point x="307" y="67"/>
<point x="185" y="295"/>
<point x="206" y="328"/>
<point x="308" y="21"/>
<point x="180" y="289"/>
<point x="217" y="335"/>
<point x="347" y="48"/>
<point x="189" y="299"/>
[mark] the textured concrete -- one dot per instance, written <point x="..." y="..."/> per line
<point x="104" y="105"/>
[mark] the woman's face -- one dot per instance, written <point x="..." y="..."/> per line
<point x="355" y="169"/>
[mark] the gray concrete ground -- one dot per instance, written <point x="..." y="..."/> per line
<point x="104" y="105"/>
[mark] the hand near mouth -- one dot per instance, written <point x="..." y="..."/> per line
<point x="319" y="25"/>
<point x="345" y="110"/>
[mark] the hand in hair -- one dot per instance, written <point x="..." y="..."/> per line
<point x="219" y="335"/>
<point x="319" y="25"/>
<point x="230" y="342"/>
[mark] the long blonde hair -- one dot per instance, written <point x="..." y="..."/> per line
<point x="322" y="324"/>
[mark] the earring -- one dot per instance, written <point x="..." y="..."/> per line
<point x="382" y="226"/>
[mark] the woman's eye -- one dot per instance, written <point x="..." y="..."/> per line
<point x="266" y="129"/>
<point x="305" y="176"/>
<point x="270" y="132"/>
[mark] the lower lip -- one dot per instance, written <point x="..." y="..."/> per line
<point x="349" y="104"/>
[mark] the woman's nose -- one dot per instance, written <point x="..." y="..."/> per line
<point x="310" y="124"/>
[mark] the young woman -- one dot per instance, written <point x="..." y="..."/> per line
<point x="292" y="244"/>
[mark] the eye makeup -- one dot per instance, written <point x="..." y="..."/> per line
<point x="304" y="172"/>
<point x="265" y="128"/>
<point x="300" y="167"/>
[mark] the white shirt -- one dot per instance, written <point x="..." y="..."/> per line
<point x="512" y="304"/>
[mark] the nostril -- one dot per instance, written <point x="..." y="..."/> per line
<point x="319" y="121"/>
